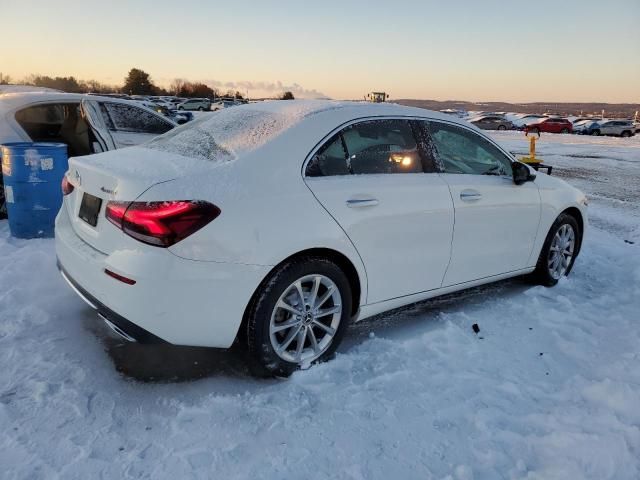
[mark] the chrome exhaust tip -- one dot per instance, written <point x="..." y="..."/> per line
<point x="117" y="330"/>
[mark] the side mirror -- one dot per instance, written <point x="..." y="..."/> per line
<point x="521" y="173"/>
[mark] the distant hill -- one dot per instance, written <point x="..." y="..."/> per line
<point x="618" y="110"/>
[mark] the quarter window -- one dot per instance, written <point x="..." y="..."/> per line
<point x="463" y="151"/>
<point x="331" y="159"/>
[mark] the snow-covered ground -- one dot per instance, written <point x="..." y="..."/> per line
<point x="549" y="389"/>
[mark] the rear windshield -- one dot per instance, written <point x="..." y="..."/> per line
<point x="224" y="135"/>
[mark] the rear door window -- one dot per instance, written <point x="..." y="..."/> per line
<point x="382" y="146"/>
<point x="57" y="122"/>
<point x="129" y="118"/>
<point x="374" y="147"/>
<point x="42" y="122"/>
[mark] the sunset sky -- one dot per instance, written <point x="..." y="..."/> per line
<point x="576" y="50"/>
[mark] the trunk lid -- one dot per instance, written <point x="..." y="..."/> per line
<point x="121" y="175"/>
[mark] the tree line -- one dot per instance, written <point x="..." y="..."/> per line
<point x="137" y="82"/>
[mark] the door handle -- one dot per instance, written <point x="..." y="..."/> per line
<point x="362" y="202"/>
<point x="470" y="195"/>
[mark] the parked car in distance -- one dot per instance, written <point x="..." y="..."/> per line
<point x="180" y="253"/>
<point x="582" y="127"/>
<point x="86" y="123"/>
<point x="492" y="122"/>
<point x="200" y="104"/>
<point x="616" y="128"/>
<point x="226" y="103"/>
<point x="550" y="125"/>
<point x="520" y="123"/>
<point x="455" y="112"/>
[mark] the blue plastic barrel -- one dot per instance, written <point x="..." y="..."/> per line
<point x="32" y="175"/>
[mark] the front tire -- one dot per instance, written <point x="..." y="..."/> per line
<point x="559" y="251"/>
<point x="298" y="316"/>
<point x="502" y="127"/>
<point x="596" y="133"/>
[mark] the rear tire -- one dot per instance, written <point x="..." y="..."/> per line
<point x="285" y="331"/>
<point x="201" y="109"/>
<point x="625" y="134"/>
<point x="501" y="127"/>
<point x="559" y="252"/>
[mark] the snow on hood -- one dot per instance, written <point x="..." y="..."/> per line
<point x="230" y="133"/>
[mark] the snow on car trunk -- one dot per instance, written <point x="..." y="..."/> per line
<point x="119" y="175"/>
<point x="228" y="134"/>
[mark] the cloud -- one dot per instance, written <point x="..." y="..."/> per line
<point x="266" y="88"/>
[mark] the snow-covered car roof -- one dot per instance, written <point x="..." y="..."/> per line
<point x="11" y="101"/>
<point x="231" y="133"/>
<point x="24" y="88"/>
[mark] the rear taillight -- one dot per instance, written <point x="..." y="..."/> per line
<point x="161" y="224"/>
<point x="67" y="186"/>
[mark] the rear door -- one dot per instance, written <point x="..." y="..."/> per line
<point x="605" y="128"/>
<point x="496" y="221"/>
<point x="131" y="125"/>
<point x="102" y="141"/>
<point x="374" y="178"/>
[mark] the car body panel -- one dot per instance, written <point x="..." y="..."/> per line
<point x="404" y="238"/>
<point x="216" y="294"/>
<point x="495" y="231"/>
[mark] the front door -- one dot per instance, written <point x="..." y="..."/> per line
<point x="374" y="180"/>
<point x="496" y="221"/>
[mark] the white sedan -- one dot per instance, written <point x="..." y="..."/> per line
<point x="279" y="223"/>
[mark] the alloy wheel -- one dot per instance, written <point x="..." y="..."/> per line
<point x="561" y="251"/>
<point x="305" y="319"/>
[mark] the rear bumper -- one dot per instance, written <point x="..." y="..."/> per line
<point x="129" y="329"/>
<point x="174" y="300"/>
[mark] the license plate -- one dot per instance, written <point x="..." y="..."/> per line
<point x="90" y="209"/>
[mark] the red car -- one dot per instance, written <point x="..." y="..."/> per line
<point x="550" y="125"/>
